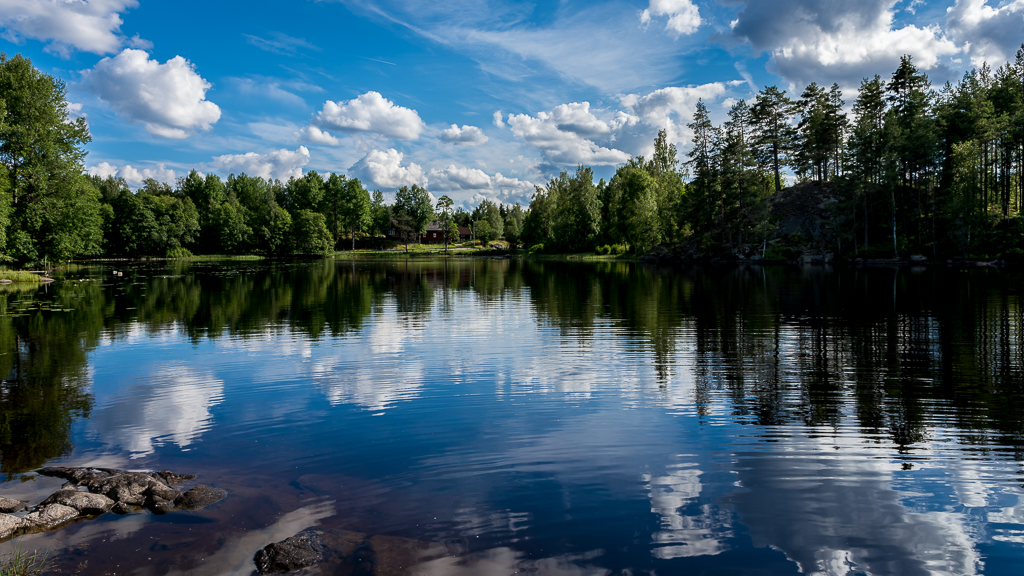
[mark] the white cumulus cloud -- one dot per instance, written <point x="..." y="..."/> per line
<point x="385" y="170"/>
<point x="317" y="136"/>
<point x="93" y="26"/>
<point x="498" y="187"/>
<point x="991" y="34"/>
<point x="497" y="119"/>
<point x="825" y="41"/>
<point x="373" y="113"/>
<point x="276" y="165"/>
<point x="169" y="98"/>
<point x="469" y="135"/>
<point x="566" y="144"/>
<point x="133" y="176"/>
<point x="683" y="15"/>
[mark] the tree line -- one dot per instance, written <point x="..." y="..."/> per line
<point x="50" y="209"/>
<point x="913" y="169"/>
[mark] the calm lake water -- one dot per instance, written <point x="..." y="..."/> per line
<point x="546" y="418"/>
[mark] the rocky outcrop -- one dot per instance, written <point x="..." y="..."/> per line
<point x="803" y="223"/>
<point x="303" y="550"/>
<point x="90" y="492"/>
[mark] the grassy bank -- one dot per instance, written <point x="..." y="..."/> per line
<point x="433" y="251"/>
<point x="590" y="256"/>
<point x="20" y="276"/>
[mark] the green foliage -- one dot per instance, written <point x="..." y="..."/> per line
<point x="483" y="232"/>
<point x="310" y="234"/>
<point x="774" y="133"/>
<point x="489" y="212"/>
<point x="380" y="214"/>
<point x="178" y="253"/>
<point x="634" y="213"/>
<point x="52" y="208"/>
<point x="20" y="276"/>
<point x="514" y="225"/>
<point x="355" y="207"/>
<point x="413" y="208"/>
<point x="566" y="215"/>
<point x="148" y="222"/>
<point x="307" y="193"/>
<point x="449" y="230"/>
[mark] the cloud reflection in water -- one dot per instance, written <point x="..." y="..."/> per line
<point x="171" y="405"/>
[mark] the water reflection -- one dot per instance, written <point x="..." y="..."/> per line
<point x="837" y="514"/>
<point x="560" y="418"/>
<point x="685" y="532"/>
<point x="170" y="404"/>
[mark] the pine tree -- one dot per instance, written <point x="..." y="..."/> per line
<point x="772" y="116"/>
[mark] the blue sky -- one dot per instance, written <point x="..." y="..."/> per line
<point x="473" y="99"/>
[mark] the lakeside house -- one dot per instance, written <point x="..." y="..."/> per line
<point x="432" y="235"/>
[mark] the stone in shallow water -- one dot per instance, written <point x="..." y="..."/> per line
<point x="8" y="524"/>
<point x="300" y="551"/>
<point x="10" y="504"/>
<point x="49" y="517"/>
<point x="168" y="477"/>
<point x="158" y="505"/>
<point x="79" y="475"/>
<point x="132" y="488"/>
<point x="198" y="497"/>
<point x="84" y="502"/>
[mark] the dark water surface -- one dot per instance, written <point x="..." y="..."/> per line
<point x="544" y="418"/>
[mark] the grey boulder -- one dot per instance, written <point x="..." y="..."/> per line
<point x="84" y="502"/>
<point x="10" y="504"/>
<point x="8" y="524"/>
<point x="48" y="517"/>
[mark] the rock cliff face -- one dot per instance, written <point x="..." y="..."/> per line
<point x="805" y="222"/>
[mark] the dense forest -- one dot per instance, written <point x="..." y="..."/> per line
<point x="51" y="210"/>
<point x="913" y="170"/>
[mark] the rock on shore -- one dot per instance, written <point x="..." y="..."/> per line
<point x="90" y="492"/>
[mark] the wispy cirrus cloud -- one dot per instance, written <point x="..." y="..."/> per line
<point x="601" y="47"/>
<point x="280" y="43"/>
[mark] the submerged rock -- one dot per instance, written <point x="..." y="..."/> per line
<point x="198" y="497"/>
<point x="168" y="477"/>
<point x="10" y="504"/>
<point x="158" y="505"/>
<point x="394" y="555"/>
<point x="303" y="550"/>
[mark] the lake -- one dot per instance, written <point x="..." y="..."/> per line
<point x="541" y="417"/>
